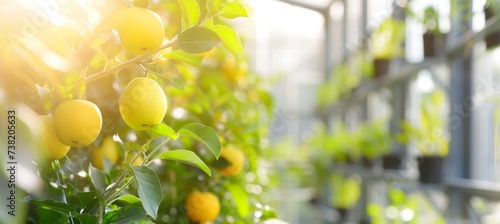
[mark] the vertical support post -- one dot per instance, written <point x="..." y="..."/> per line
<point x="458" y="161"/>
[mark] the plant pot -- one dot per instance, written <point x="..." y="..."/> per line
<point x="343" y="212"/>
<point x="431" y="169"/>
<point x="380" y="67"/>
<point x="367" y="162"/>
<point x="493" y="39"/>
<point x="434" y="44"/>
<point x="392" y="162"/>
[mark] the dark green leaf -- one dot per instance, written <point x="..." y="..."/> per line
<point x="86" y="197"/>
<point x="204" y="134"/>
<point x="187" y="157"/>
<point x="232" y="10"/>
<point x="190" y="12"/>
<point x="183" y="56"/>
<point x="240" y="197"/>
<point x="198" y="40"/>
<point x="149" y="189"/>
<point x="57" y="206"/>
<point x="50" y="216"/>
<point x="163" y="130"/>
<point x="85" y="219"/>
<point x="125" y="215"/>
<point x="221" y="163"/>
<point x="229" y="38"/>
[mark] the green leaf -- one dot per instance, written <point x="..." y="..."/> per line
<point x="187" y="157"/>
<point x="125" y="215"/>
<point x="98" y="178"/>
<point x="127" y="199"/>
<point x="183" y="56"/>
<point x="221" y="163"/>
<point x="190" y="12"/>
<point x="149" y="189"/>
<point x="50" y="216"/>
<point x="134" y="146"/>
<point x="229" y="38"/>
<point x="198" y="40"/>
<point x="233" y="10"/>
<point x="176" y="81"/>
<point x="163" y="130"/>
<point x="56" y="206"/>
<point x="98" y="60"/>
<point x="240" y="197"/>
<point x="204" y="134"/>
<point x="85" y="197"/>
<point x="85" y="219"/>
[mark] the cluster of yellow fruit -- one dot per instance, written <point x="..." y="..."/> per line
<point x="142" y="104"/>
<point x="77" y="123"/>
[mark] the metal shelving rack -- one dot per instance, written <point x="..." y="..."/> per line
<point x="458" y="56"/>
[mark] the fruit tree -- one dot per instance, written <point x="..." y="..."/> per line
<point x="130" y="112"/>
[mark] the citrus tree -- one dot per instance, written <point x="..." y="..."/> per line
<point x="133" y="111"/>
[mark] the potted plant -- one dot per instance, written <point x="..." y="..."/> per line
<point x="373" y="141"/>
<point x="386" y="43"/>
<point x="491" y="9"/>
<point x="434" y="39"/>
<point x="430" y="137"/>
<point x="346" y="192"/>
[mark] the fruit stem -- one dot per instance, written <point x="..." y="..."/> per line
<point x="127" y="64"/>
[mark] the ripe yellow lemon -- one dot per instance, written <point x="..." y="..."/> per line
<point x="77" y="122"/>
<point x="143" y="104"/>
<point x="235" y="157"/>
<point x="140" y="30"/>
<point x="107" y="149"/>
<point x="52" y="147"/>
<point x="202" y="206"/>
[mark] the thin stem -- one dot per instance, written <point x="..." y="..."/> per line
<point x="133" y="61"/>
<point x="60" y="182"/>
<point x="114" y="191"/>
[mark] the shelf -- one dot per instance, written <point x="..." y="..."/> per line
<point x="407" y="70"/>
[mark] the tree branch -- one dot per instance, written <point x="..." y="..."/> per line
<point x="127" y="64"/>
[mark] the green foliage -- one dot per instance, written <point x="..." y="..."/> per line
<point x="374" y="139"/>
<point x="346" y="190"/>
<point x="214" y="101"/>
<point x="386" y="42"/>
<point x="430" y="135"/>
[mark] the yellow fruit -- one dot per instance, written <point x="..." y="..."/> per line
<point x="138" y="161"/>
<point x="107" y="149"/>
<point x="141" y="30"/>
<point x="202" y="206"/>
<point x="235" y="157"/>
<point x="143" y="104"/>
<point x="77" y="122"/>
<point x="52" y="147"/>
